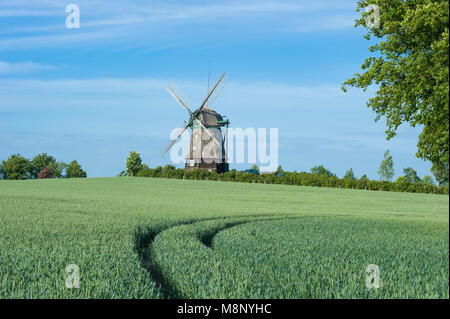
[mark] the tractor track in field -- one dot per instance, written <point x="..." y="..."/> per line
<point x="149" y="234"/>
<point x="144" y="237"/>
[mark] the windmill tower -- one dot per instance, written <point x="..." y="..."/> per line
<point x="208" y="144"/>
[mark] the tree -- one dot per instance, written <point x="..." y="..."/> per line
<point x="410" y="67"/>
<point x="16" y="167"/>
<point x="440" y="172"/>
<point x="427" y="179"/>
<point x="41" y="161"/>
<point x="411" y="175"/>
<point x="134" y="163"/>
<point x="321" y="170"/>
<point x="74" y="170"/>
<point x="364" y="178"/>
<point x="350" y="174"/>
<point x="168" y="168"/>
<point x="255" y="168"/>
<point x="279" y="170"/>
<point x="46" y="172"/>
<point x="59" y="168"/>
<point x="386" y="170"/>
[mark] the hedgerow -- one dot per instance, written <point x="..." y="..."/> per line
<point x="294" y="178"/>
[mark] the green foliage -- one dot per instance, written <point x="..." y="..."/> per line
<point x="74" y="170"/>
<point x="40" y="161"/>
<point x="386" y="170"/>
<point x="350" y="175"/>
<point x="59" y="168"/>
<point x="256" y="168"/>
<point x="291" y="178"/>
<point x="134" y="163"/>
<point x="168" y="168"/>
<point x="440" y="172"/>
<point x="410" y="67"/>
<point x="427" y="179"/>
<point x="279" y="170"/>
<point x="321" y="170"/>
<point x="123" y="231"/>
<point x="411" y="175"/>
<point x="16" y="167"/>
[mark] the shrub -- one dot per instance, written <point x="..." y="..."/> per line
<point x="74" y="170"/>
<point x="46" y="172"/>
<point x="321" y="170"/>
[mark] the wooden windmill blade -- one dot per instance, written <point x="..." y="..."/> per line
<point x="172" y="141"/>
<point x="207" y="132"/>
<point x="218" y="90"/>
<point x="172" y="89"/>
<point x="209" y="95"/>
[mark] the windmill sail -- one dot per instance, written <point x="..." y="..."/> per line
<point x="206" y="149"/>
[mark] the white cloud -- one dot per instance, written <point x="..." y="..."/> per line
<point x="22" y="67"/>
<point x="155" y="22"/>
<point x="251" y="94"/>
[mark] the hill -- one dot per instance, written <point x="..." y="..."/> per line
<point x="158" y="238"/>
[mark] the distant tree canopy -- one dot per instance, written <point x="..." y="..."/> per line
<point x="319" y="177"/>
<point x="402" y="184"/>
<point x="350" y="175"/>
<point x="427" y="179"/>
<point x="440" y="172"/>
<point x="16" y="167"/>
<point x="411" y="175"/>
<point x="134" y="163"/>
<point x="386" y="170"/>
<point x="41" y="166"/>
<point x="321" y="170"/>
<point x="255" y="168"/>
<point x="39" y="162"/>
<point x="74" y="170"/>
<point x="410" y="68"/>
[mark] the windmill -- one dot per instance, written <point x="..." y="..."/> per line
<point x="208" y="146"/>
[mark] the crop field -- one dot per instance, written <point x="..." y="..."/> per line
<point x="161" y="238"/>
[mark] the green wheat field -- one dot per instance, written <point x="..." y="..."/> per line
<point x="161" y="238"/>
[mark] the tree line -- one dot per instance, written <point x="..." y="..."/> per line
<point x="41" y="166"/>
<point x="318" y="176"/>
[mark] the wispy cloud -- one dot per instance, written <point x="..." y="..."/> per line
<point x="22" y="67"/>
<point x="148" y="21"/>
<point x="123" y="92"/>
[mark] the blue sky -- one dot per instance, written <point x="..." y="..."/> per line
<point x="97" y="92"/>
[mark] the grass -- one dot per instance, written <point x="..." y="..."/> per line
<point x="158" y="238"/>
